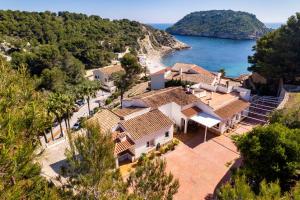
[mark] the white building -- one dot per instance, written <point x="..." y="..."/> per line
<point x="185" y="72"/>
<point x="105" y="76"/>
<point x="147" y="121"/>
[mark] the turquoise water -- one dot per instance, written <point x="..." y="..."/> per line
<point x="213" y="53"/>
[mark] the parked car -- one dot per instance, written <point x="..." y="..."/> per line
<point x="55" y="123"/>
<point x="76" y="108"/>
<point x="80" y="102"/>
<point x="76" y="126"/>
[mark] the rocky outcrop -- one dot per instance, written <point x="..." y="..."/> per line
<point x="220" y="24"/>
<point x="158" y="42"/>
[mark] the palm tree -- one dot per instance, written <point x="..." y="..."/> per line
<point x="50" y="121"/>
<point x="87" y="90"/>
<point x="55" y="105"/>
<point x="68" y="102"/>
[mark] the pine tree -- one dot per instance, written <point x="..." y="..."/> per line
<point x="150" y="181"/>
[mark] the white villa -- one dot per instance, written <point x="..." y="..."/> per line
<point x="104" y="75"/>
<point x="148" y="120"/>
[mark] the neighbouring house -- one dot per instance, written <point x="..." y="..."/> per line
<point x="257" y="78"/>
<point x="105" y="76"/>
<point x="190" y="73"/>
<point x="147" y="121"/>
<point x="89" y="74"/>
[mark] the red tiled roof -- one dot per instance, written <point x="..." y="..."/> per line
<point x="203" y="71"/>
<point x="162" y="71"/>
<point x="157" y="98"/>
<point x="123" y="112"/>
<point x="233" y="108"/>
<point x="191" y="111"/>
<point x="146" y="124"/>
<point x="122" y="146"/>
<point x="109" y="70"/>
<point x="106" y="120"/>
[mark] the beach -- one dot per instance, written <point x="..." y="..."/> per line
<point x="154" y="62"/>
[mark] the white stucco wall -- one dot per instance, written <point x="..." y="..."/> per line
<point x="173" y="111"/>
<point x="224" y="89"/>
<point x="158" y="137"/>
<point x="208" y="87"/>
<point x="244" y="93"/>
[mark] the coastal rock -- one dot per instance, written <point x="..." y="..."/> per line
<point x="158" y="41"/>
<point x="220" y="24"/>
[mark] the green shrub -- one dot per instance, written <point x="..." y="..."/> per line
<point x="175" y="142"/>
<point x="162" y="150"/>
<point x="108" y="101"/>
<point x="152" y="155"/>
<point x="171" y="146"/>
<point x="142" y="159"/>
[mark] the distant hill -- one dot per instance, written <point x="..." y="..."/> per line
<point x="220" y="24"/>
<point x="92" y="40"/>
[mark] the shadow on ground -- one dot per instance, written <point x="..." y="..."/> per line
<point x="59" y="166"/>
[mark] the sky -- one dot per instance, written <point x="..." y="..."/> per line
<point x="159" y="11"/>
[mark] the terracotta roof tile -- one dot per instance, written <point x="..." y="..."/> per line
<point x="146" y="124"/>
<point x="157" y="98"/>
<point x="185" y="67"/>
<point x="106" y="120"/>
<point x="233" y="108"/>
<point x="191" y="111"/>
<point x="122" y="146"/>
<point x="162" y="71"/>
<point x="194" y="78"/>
<point x="202" y="71"/>
<point x="109" y="70"/>
<point x="123" y="112"/>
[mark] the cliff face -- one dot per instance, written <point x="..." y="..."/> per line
<point x="220" y="24"/>
<point x="158" y="42"/>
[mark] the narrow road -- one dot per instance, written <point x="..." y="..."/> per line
<point x="83" y="111"/>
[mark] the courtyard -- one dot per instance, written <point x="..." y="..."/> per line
<point x="201" y="166"/>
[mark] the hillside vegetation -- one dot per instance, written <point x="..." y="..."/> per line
<point x="277" y="54"/>
<point x="57" y="47"/>
<point x="221" y="24"/>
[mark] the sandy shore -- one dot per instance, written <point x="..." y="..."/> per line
<point x="154" y="62"/>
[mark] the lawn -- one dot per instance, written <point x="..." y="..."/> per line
<point x="293" y="101"/>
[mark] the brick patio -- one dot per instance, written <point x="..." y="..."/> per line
<point x="201" y="167"/>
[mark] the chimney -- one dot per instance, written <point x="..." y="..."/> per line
<point x="180" y="71"/>
<point x="227" y="84"/>
<point x="188" y="89"/>
<point x="209" y="102"/>
<point x="212" y="95"/>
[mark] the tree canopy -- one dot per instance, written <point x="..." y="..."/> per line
<point x="220" y="24"/>
<point x="22" y="118"/>
<point x="277" y="53"/>
<point x="271" y="153"/>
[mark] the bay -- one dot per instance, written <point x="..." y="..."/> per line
<point x="214" y="53"/>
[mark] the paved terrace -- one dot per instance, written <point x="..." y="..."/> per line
<point x="202" y="167"/>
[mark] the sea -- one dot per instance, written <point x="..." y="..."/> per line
<point x="213" y="53"/>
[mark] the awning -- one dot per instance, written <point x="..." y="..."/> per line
<point x="205" y="119"/>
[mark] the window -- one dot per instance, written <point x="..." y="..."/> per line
<point x="148" y="144"/>
<point x="167" y="134"/>
<point x="217" y="126"/>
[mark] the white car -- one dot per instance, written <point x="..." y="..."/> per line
<point x="76" y="126"/>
